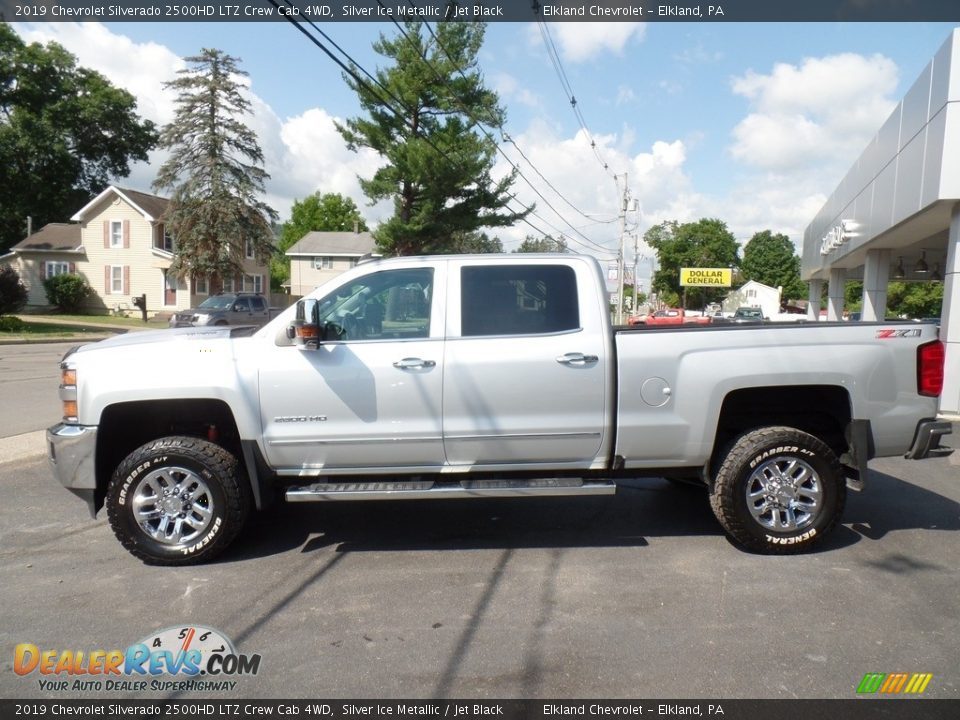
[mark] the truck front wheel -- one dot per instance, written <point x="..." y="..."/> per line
<point x="177" y="501"/>
<point x="778" y="490"/>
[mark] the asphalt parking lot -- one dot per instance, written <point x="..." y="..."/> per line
<point x="633" y="596"/>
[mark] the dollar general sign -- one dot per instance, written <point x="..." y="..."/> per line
<point x="717" y="277"/>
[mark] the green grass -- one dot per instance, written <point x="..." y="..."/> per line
<point x="51" y="331"/>
<point x="114" y="320"/>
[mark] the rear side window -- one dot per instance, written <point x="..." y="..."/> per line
<point x="518" y="300"/>
<point x="259" y="304"/>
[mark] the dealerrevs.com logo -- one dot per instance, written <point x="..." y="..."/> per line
<point x="181" y="658"/>
<point x="900" y="683"/>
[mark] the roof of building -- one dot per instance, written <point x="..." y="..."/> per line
<point x="150" y="206"/>
<point x="334" y="243"/>
<point x="53" y="237"/>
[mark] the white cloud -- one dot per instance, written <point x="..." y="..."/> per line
<point x="656" y="176"/>
<point x="822" y="112"/>
<point x="581" y="41"/>
<point x="510" y="90"/>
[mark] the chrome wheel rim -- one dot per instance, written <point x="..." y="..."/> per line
<point x="784" y="494"/>
<point x="173" y="506"/>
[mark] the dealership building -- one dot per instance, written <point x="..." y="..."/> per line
<point x="896" y="214"/>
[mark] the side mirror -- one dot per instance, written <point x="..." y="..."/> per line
<point x="305" y="330"/>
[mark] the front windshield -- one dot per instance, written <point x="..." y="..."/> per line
<point x="218" y="302"/>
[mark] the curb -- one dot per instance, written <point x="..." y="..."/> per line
<point x="20" y="447"/>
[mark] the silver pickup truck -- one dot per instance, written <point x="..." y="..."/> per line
<point x="484" y="376"/>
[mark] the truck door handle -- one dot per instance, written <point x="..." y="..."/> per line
<point x="412" y="363"/>
<point x="576" y="359"/>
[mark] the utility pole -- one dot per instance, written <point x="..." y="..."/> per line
<point x="636" y="253"/>
<point x="620" y="258"/>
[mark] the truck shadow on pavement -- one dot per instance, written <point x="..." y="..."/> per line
<point x="889" y="504"/>
<point x="649" y="507"/>
<point x="642" y="509"/>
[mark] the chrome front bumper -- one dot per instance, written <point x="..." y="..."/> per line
<point x="71" y="450"/>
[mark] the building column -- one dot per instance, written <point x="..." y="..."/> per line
<point x="950" y="319"/>
<point x="813" y="300"/>
<point x="838" y="279"/>
<point x="876" y="276"/>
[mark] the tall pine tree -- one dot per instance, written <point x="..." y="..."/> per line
<point x="215" y="172"/>
<point x="422" y="117"/>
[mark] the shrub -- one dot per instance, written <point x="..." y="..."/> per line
<point x="13" y="295"/>
<point x="67" y="292"/>
<point x="9" y="323"/>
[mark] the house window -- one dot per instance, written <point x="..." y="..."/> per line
<point x="116" y="279"/>
<point x="248" y="249"/>
<point x="54" y="268"/>
<point x="253" y="283"/>
<point x="751" y="293"/>
<point x="323" y="263"/>
<point x="116" y="233"/>
<point x="228" y="284"/>
<point x="164" y="240"/>
<point x="200" y="286"/>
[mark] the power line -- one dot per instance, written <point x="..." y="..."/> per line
<point x="554" y="56"/>
<point x="592" y="245"/>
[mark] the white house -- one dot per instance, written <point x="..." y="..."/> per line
<point x="753" y="294"/>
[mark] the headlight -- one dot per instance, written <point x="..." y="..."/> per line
<point x="68" y="392"/>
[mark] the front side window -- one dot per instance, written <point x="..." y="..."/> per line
<point x="241" y="305"/>
<point x="518" y="300"/>
<point x="387" y="305"/>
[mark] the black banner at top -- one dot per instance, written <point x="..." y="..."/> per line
<point x="485" y="10"/>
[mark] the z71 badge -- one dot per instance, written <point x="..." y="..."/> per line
<point x="895" y="333"/>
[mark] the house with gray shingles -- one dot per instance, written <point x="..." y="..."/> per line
<point x="118" y="242"/>
<point x="319" y="256"/>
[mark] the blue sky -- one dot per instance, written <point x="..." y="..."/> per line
<point x="752" y="123"/>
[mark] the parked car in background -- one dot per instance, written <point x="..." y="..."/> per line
<point x="747" y="315"/>
<point x="226" y="309"/>
<point x="675" y="316"/>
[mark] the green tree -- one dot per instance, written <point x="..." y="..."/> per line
<point x="915" y="299"/>
<point x="545" y="244"/>
<point x="474" y="242"/>
<point x="771" y="259"/>
<point x="214" y="171"/>
<point x="13" y="294"/>
<point x="329" y="212"/>
<point x="438" y="165"/>
<point x="702" y="244"/>
<point x="64" y="132"/>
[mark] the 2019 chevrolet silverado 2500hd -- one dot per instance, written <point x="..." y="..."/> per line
<point x="480" y="376"/>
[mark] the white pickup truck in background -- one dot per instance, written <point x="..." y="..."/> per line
<point x="480" y="376"/>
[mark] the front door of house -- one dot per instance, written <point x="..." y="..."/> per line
<point x="169" y="288"/>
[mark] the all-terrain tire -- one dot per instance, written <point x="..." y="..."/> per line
<point x="177" y="501"/>
<point x="778" y="490"/>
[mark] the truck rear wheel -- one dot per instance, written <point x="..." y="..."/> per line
<point x="177" y="501"/>
<point x="778" y="490"/>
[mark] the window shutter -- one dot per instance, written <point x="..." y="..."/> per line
<point x="106" y="233"/>
<point x="43" y="271"/>
<point x="106" y="279"/>
<point x="72" y="267"/>
<point x="126" y="279"/>
<point x="126" y="233"/>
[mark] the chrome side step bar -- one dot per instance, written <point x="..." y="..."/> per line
<point x="419" y="490"/>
